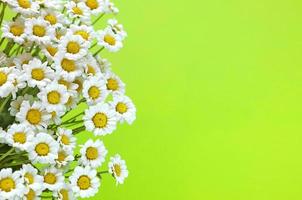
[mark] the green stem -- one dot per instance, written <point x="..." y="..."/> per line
<point x="74" y="117"/>
<point x="6" y="154"/>
<point x="95" y="21"/>
<point x="4" y="103"/>
<point x="96" y="53"/>
<point x="2" y="13"/>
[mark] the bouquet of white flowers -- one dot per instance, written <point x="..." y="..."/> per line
<point x="50" y="67"/>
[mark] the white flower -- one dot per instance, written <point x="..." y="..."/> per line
<point x="38" y="73"/>
<point x="22" y="59"/>
<point x="105" y="65"/>
<point x="111" y="8"/>
<point x="64" y="157"/>
<point x="16" y="104"/>
<point x="19" y="136"/>
<point x="100" y="119"/>
<point x="64" y="193"/>
<point x="124" y="108"/>
<point x="54" y="18"/>
<point x="51" y="4"/>
<point x="39" y="31"/>
<point x="114" y="83"/>
<point x="44" y="149"/>
<point x="67" y="68"/>
<point x="6" y="81"/>
<point x="66" y="139"/>
<point x="19" y="81"/>
<point x="78" y="10"/>
<point x="94" y="89"/>
<point x="34" y="115"/>
<point x="73" y="47"/>
<point x="108" y="39"/>
<point x="54" y="96"/>
<point x="71" y="87"/>
<point x="86" y="32"/>
<point x="31" y="177"/>
<point x="91" y="65"/>
<point x="33" y="194"/>
<point x="95" y="6"/>
<point x="117" y="167"/>
<point x="11" y="184"/>
<point x="53" y="178"/>
<point x="93" y="153"/>
<point x="50" y="51"/>
<point x="14" y="30"/>
<point x="56" y="116"/>
<point x="84" y="182"/>
<point x="73" y="100"/>
<point x="25" y="7"/>
<point x="117" y="28"/>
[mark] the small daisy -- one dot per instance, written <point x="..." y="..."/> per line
<point x="66" y="139"/>
<point x="74" y="47"/>
<point x="19" y="136"/>
<point x="68" y="84"/>
<point x="39" y="30"/>
<point x="54" y="96"/>
<point x="64" y="157"/>
<point x="22" y="59"/>
<point x="59" y="33"/>
<point x="117" y="167"/>
<point x="19" y="81"/>
<point x="16" y="104"/>
<point x="100" y="119"/>
<point x="56" y="116"/>
<point x="64" y="193"/>
<point x="94" y="89"/>
<point x="25" y="7"/>
<point x="91" y="66"/>
<point x="32" y="194"/>
<point x="50" y="51"/>
<point x="108" y="39"/>
<point x="79" y="82"/>
<point x="73" y="101"/>
<point x="114" y="83"/>
<point x="78" y="10"/>
<point x="104" y="64"/>
<point x="95" y="6"/>
<point x="31" y="177"/>
<point x="111" y="8"/>
<point x="117" y="28"/>
<point x="86" y="32"/>
<point x="54" y="18"/>
<point x="11" y="184"/>
<point x="14" y="30"/>
<point x="44" y="149"/>
<point x="124" y="108"/>
<point x="93" y="153"/>
<point x="6" y="81"/>
<point x="51" y="4"/>
<point x="84" y="182"/>
<point x="53" y="178"/>
<point x="67" y="68"/>
<point x="38" y="73"/>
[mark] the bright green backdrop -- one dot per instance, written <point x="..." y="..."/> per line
<point x="218" y="88"/>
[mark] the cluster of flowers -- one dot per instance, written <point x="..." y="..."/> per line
<point x="49" y="67"/>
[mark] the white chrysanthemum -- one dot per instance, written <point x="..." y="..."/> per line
<point x="51" y="4"/>
<point x="117" y="167"/>
<point x="73" y="47"/>
<point x="73" y="100"/>
<point x="94" y="89"/>
<point x="111" y="8"/>
<point x="66" y="139"/>
<point x="53" y="178"/>
<point x="108" y="39"/>
<point x="44" y="149"/>
<point x="86" y="32"/>
<point x="100" y="119"/>
<point x="33" y="194"/>
<point x="56" y="116"/>
<point x="65" y="157"/>
<point x="19" y="136"/>
<point x="84" y="182"/>
<point x="19" y="81"/>
<point x="117" y="28"/>
<point x="50" y="51"/>
<point x="25" y="7"/>
<point x="39" y="31"/>
<point x="64" y="193"/>
<point x="68" y="84"/>
<point x="31" y="177"/>
<point x="93" y="153"/>
<point x="14" y="30"/>
<point x="11" y="184"/>
<point x="6" y="81"/>
<point x="124" y="108"/>
<point x="91" y="66"/>
<point x="16" y="104"/>
<point x="78" y="10"/>
<point x="38" y="73"/>
<point x="55" y="19"/>
<point x="59" y="33"/>
<point x="68" y="69"/>
<point x="95" y="6"/>
<point x="104" y="64"/>
<point x="114" y="83"/>
<point x="54" y="96"/>
<point x="22" y="59"/>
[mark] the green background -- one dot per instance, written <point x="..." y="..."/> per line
<point x="217" y="86"/>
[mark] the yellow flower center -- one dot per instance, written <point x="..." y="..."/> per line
<point x="3" y="78"/>
<point x="92" y="153"/>
<point x="94" y="92"/>
<point x="42" y="149"/>
<point x="90" y="70"/>
<point x="24" y="3"/>
<point x="80" y="85"/>
<point x="84" y="182"/>
<point x="29" y="177"/>
<point x="34" y="116"/>
<point x="50" y="178"/>
<point x="92" y="4"/>
<point x="7" y="184"/>
<point x="37" y="74"/>
<point x="121" y="108"/>
<point x="65" y="83"/>
<point x="51" y="19"/>
<point x="76" y="10"/>
<point x="64" y="194"/>
<point x="65" y="140"/>
<point x="84" y="34"/>
<point x="31" y="195"/>
<point x="54" y="97"/>
<point x="112" y="84"/>
<point x="61" y="156"/>
<point x="58" y="35"/>
<point x="17" y="30"/>
<point x="68" y="65"/>
<point x="99" y="120"/>
<point x="117" y="169"/>
<point x="19" y="137"/>
<point x="73" y="47"/>
<point x="109" y="40"/>
<point x="39" y="31"/>
<point x="52" y="50"/>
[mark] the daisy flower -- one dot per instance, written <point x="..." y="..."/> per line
<point x="14" y="30"/>
<point x="39" y="30"/>
<point x="11" y="184"/>
<point x="78" y="10"/>
<point x="53" y="178"/>
<point x="6" y="81"/>
<point x="31" y="177"/>
<point x="38" y="73"/>
<point x="100" y="119"/>
<point x="44" y="149"/>
<point x="94" y="89"/>
<point x="51" y="4"/>
<point x="25" y="7"/>
<point x="16" y="104"/>
<point x="118" y="169"/>
<point x="95" y="6"/>
<point x="91" y="66"/>
<point x="93" y="153"/>
<point x="64" y="193"/>
<point x="54" y="18"/>
<point x="64" y="157"/>
<point x="104" y="64"/>
<point x="108" y="39"/>
<point x="22" y="59"/>
<point x="33" y="194"/>
<point x="56" y="116"/>
<point x="50" y="51"/>
<point x="114" y="83"/>
<point x="67" y="68"/>
<point x="72" y="101"/>
<point x="19" y="136"/>
<point x="19" y="81"/>
<point x="111" y="8"/>
<point x="86" y="32"/>
<point x="68" y="84"/>
<point x="124" y="108"/>
<point x="84" y="182"/>
<point x="66" y="139"/>
<point x="54" y="96"/>
<point x="117" y="28"/>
